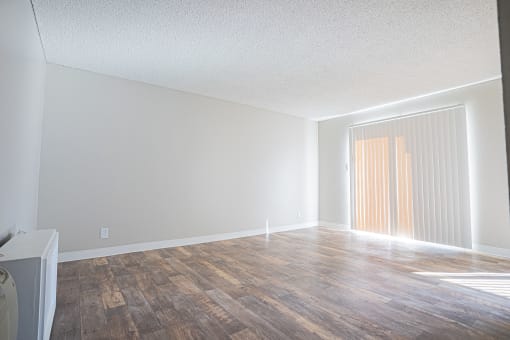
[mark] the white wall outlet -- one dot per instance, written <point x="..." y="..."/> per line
<point x="299" y="214"/>
<point x="105" y="232"/>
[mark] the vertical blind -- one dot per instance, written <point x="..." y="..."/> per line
<point x="409" y="177"/>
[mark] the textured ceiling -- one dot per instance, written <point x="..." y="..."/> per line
<point x="301" y="57"/>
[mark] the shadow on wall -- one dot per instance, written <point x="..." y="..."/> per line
<point x="6" y="238"/>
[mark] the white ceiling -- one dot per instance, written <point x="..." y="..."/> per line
<point x="307" y="58"/>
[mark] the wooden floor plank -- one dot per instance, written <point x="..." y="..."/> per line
<point x="315" y="283"/>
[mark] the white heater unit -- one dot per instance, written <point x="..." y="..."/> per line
<point x="31" y="259"/>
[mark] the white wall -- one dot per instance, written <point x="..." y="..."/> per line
<point x="156" y="164"/>
<point x="487" y="159"/>
<point x="22" y="68"/>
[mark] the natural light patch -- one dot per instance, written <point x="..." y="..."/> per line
<point x="482" y="274"/>
<point x="494" y="283"/>
<point x="494" y="286"/>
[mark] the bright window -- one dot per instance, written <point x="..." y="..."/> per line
<point x="410" y="177"/>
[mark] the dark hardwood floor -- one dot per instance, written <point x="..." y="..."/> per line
<point x="305" y="284"/>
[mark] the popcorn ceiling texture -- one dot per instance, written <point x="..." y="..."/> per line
<point x="301" y="57"/>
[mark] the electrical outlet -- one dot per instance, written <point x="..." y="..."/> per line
<point x="299" y="214"/>
<point x="105" y="232"/>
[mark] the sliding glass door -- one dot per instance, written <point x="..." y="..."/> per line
<point x="410" y="177"/>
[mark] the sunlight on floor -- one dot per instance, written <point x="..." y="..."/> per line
<point x="494" y="283"/>
<point x="477" y="274"/>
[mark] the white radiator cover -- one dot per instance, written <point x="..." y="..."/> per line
<point x="31" y="259"/>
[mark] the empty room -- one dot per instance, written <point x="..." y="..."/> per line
<point x="254" y="169"/>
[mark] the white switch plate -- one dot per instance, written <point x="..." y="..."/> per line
<point x="105" y="232"/>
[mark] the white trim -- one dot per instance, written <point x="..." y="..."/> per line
<point x="49" y="321"/>
<point x="290" y="227"/>
<point x="334" y="225"/>
<point x="493" y="251"/>
<point x="130" y="248"/>
<point x="376" y="107"/>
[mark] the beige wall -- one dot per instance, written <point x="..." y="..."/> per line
<point x="22" y="68"/>
<point x="487" y="159"/>
<point x="155" y="164"/>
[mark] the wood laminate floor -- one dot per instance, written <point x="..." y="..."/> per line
<point x="306" y="284"/>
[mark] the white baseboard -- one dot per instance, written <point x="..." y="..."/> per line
<point x="130" y="248"/>
<point x="494" y="251"/>
<point x="334" y="225"/>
